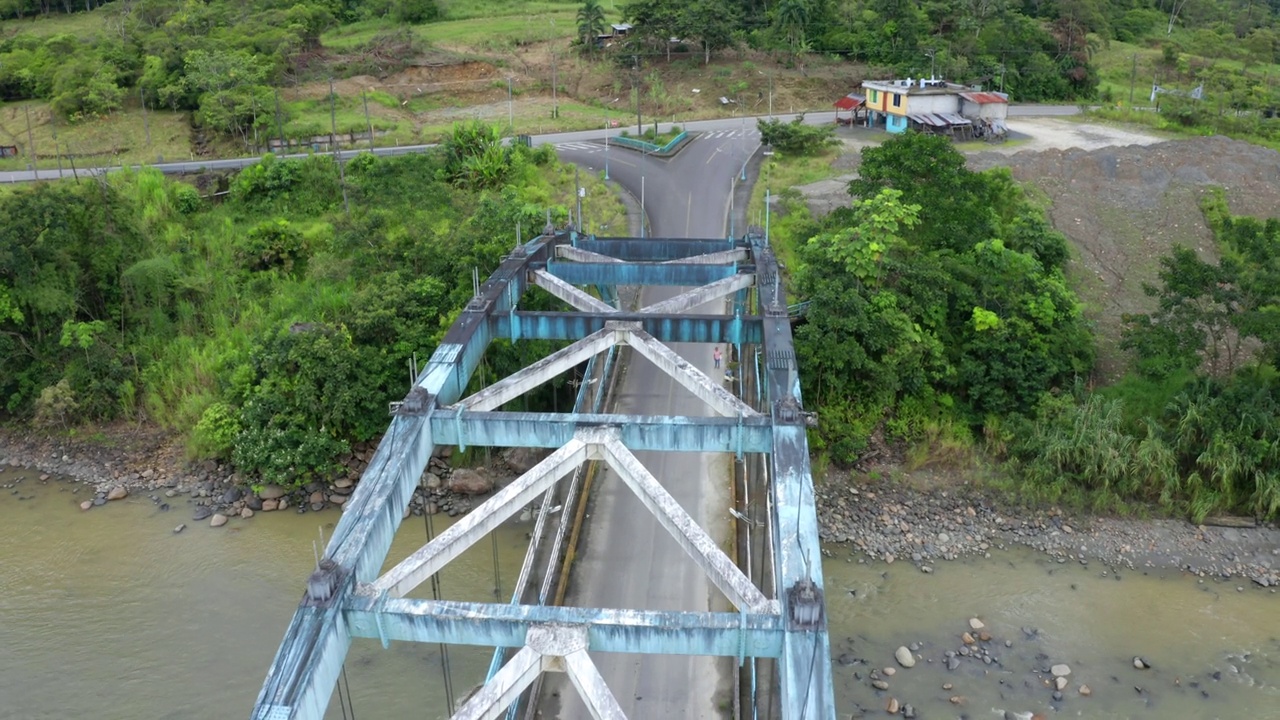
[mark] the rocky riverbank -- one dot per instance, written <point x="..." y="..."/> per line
<point x="123" y="462"/>
<point x="892" y="521"/>
<point x="883" y="520"/>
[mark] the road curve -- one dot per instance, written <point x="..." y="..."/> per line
<point x="627" y="559"/>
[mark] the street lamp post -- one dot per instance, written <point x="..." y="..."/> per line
<point x="606" y="147"/>
<point x="642" y="213"/>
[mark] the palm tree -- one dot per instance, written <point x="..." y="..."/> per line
<point x="590" y="23"/>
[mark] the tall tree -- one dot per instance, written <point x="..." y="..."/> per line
<point x="712" y="22"/>
<point x="590" y="23"/>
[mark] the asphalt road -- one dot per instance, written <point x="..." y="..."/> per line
<point x="179" y="168"/>
<point x="628" y="560"/>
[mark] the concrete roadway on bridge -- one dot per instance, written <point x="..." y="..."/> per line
<point x="627" y="559"/>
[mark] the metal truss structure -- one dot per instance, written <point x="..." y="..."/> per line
<point x="347" y="597"/>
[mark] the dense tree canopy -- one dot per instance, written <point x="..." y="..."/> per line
<point x="941" y="291"/>
<point x="274" y="327"/>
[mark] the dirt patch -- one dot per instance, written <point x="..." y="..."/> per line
<point x="1123" y="208"/>
<point x="1122" y="198"/>
<point x="419" y="79"/>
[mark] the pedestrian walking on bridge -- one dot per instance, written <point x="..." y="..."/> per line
<point x="716" y="356"/>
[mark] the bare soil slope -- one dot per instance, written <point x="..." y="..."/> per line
<point x="1125" y="207"/>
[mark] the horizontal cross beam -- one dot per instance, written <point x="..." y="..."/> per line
<point x="639" y="273"/>
<point x="660" y="433"/>
<point x="662" y="632"/>
<point x="653" y="249"/>
<point x="667" y="328"/>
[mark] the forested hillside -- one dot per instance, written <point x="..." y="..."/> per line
<point x="272" y="328"/>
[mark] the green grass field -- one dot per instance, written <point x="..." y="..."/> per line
<point x="120" y="138"/>
<point x="81" y="24"/>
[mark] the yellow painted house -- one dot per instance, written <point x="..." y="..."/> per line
<point x="899" y="103"/>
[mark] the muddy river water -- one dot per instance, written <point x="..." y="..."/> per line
<point x="109" y="614"/>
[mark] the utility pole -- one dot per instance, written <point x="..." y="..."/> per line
<point x="555" y="100"/>
<point x="53" y="120"/>
<point x="932" y="57"/>
<point x="1133" y="78"/>
<point x="606" y="147"/>
<point x="635" y="72"/>
<point x="643" y="215"/>
<point x="511" y="109"/>
<point x="31" y="141"/>
<point x="146" y="124"/>
<point x="577" y="192"/>
<point x="368" y="123"/>
<point x="279" y="124"/>
<point x="770" y="94"/>
<point x="337" y="157"/>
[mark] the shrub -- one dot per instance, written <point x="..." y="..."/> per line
<point x="215" y="433"/>
<point x="795" y="137"/>
<point x="274" y="244"/>
<point x="55" y="403"/>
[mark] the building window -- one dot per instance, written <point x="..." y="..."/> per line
<point x="873" y="96"/>
<point x="897" y="100"/>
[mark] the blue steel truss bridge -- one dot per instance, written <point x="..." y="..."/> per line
<point x="773" y="604"/>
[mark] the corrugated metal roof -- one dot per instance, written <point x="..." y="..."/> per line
<point x="939" y="119"/>
<point x="850" y="101"/>
<point x="985" y="98"/>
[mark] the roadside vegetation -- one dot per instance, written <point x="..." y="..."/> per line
<point x="234" y="75"/>
<point x="271" y="329"/>
<point x="940" y="322"/>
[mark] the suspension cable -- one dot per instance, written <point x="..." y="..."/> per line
<point x="351" y="700"/>
<point x="342" y="703"/>
<point x="435" y="595"/>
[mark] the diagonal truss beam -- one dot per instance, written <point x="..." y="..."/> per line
<point x="569" y="252"/>
<point x="724" y="257"/>
<point x="702" y="295"/>
<point x="591" y="687"/>
<point x="712" y="393"/>
<point x="562" y="648"/>
<point x="492" y="700"/>
<point x="517" y="384"/>
<point x="428" y="559"/>
<point x="575" y="297"/>
<point x="695" y="541"/>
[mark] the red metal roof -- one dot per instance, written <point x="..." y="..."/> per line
<point x="850" y="101"/>
<point x="985" y="98"/>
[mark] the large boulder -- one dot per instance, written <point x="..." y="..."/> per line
<point x="271" y="492"/>
<point x="521" y="459"/>
<point x="469" y="482"/>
